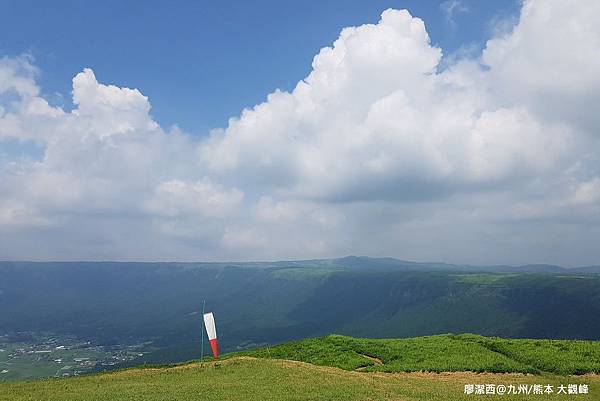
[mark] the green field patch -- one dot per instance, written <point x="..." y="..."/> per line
<point x="441" y="353"/>
<point x="318" y="351"/>
<point x="565" y="357"/>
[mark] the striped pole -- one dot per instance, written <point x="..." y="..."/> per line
<point x="202" y="334"/>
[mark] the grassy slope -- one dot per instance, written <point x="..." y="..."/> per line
<point x="444" y="353"/>
<point x="280" y="372"/>
<point x="243" y="378"/>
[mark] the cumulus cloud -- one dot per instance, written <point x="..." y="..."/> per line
<point x="379" y="150"/>
<point x="376" y="120"/>
<point x="178" y="198"/>
<point x="105" y="165"/>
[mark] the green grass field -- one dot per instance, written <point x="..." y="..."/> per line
<point x="344" y="368"/>
<point x="443" y="353"/>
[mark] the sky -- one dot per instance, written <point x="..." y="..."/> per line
<point x="457" y="131"/>
<point x="186" y="55"/>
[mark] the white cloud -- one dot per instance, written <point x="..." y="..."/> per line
<point x="243" y="239"/>
<point x="588" y="193"/>
<point x="177" y="198"/>
<point x="269" y="210"/>
<point x="106" y="163"/>
<point x="377" y="151"/>
<point x="450" y="8"/>
<point x="550" y="62"/>
<point x="14" y="215"/>
<point x="109" y="110"/>
<point x="18" y="75"/>
<point x="375" y="120"/>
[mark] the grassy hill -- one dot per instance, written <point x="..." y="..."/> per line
<point x="342" y="368"/>
<point x="442" y="353"/>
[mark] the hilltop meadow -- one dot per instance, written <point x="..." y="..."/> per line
<point x="344" y="368"/>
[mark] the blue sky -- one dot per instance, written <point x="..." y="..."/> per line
<point x="201" y="62"/>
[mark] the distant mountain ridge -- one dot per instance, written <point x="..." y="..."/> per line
<point x="383" y="263"/>
<point x="389" y="263"/>
<point x="367" y="262"/>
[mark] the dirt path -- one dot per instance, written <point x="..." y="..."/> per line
<point x="376" y="361"/>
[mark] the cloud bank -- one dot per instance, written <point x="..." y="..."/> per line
<point x="379" y="150"/>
